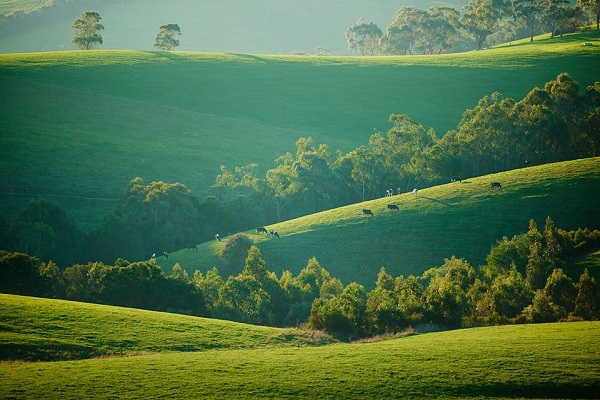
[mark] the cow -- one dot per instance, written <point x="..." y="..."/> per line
<point x="192" y="247"/>
<point x="455" y="179"/>
<point x="367" y="212"/>
<point x="165" y="255"/>
<point x="415" y="192"/>
<point x="496" y="185"/>
<point x="274" y="234"/>
<point x="217" y="237"/>
<point x="392" y="207"/>
<point x="261" y="229"/>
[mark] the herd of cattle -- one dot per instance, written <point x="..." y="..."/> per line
<point x="365" y="211"/>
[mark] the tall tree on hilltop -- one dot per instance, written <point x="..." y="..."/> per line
<point x="593" y="6"/>
<point x="364" y="38"/>
<point x="531" y="11"/>
<point x="86" y="31"/>
<point x="481" y="20"/>
<point x="166" y="38"/>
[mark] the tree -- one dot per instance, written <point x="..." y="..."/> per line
<point x="593" y="6"/>
<point x="364" y="38"/>
<point x="531" y="11"/>
<point x="587" y="302"/>
<point x="560" y="288"/>
<point x="166" y="38"/>
<point x="86" y="31"/>
<point x="556" y="12"/>
<point x="480" y="20"/>
<point x="235" y="252"/>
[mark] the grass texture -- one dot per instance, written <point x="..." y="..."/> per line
<point x="524" y="361"/>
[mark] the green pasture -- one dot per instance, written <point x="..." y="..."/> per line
<point x="43" y="329"/>
<point x="78" y="126"/>
<point x="462" y="219"/>
<point x="522" y="361"/>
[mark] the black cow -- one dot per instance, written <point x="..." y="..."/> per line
<point x="367" y="212"/>
<point x="392" y="207"/>
<point x="192" y="247"/>
<point x="165" y="255"/>
<point x="261" y="229"/>
<point x="274" y="234"/>
<point x="496" y="185"/>
<point x="455" y="179"/>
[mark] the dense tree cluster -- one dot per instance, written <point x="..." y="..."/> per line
<point x="445" y="30"/>
<point x="523" y="281"/>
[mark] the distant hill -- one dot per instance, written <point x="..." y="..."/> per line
<point x="462" y="219"/>
<point x="78" y="126"/>
<point x="239" y="26"/>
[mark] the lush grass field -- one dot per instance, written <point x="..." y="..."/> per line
<point x="524" y="361"/>
<point x="78" y="126"/>
<point x="42" y="329"/>
<point x="463" y="219"/>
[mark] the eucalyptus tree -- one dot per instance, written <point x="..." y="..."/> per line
<point x="593" y="6"/>
<point x="166" y="39"/>
<point x="363" y="38"/>
<point x="86" y="31"/>
<point x="480" y="19"/>
<point x="532" y="11"/>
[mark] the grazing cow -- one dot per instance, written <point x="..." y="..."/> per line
<point x="274" y="234"/>
<point x="192" y="247"/>
<point x="415" y="192"/>
<point x="455" y="179"/>
<point x="392" y="207"/>
<point x="217" y="237"/>
<point x="367" y="212"/>
<point x="261" y="229"/>
<point x="496" y="185"/>
<point x="166" y="255"/>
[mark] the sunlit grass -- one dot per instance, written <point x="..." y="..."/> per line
<point x="42" y="329"/>
<point x="523" y="361"/>
<point x="462" y="219"/>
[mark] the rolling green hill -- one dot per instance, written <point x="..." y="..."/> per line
<point x="462" y="219"/>
<point x="521" y="361"/>
<point x="43" y="329"/>
<point x="78" y="126"/>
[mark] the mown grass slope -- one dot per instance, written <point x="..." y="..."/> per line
<point x="78" y="126"/>
<point x="43" y="329"/>
<point x="462" y="219"/>
<point x="523" y="361"/>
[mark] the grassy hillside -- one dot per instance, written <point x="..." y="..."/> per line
<point x="259" y="26"/>
<point x="463" y="219"/>
<point x="43" y="329"/>
<point x="523" y="361"/>
<point x="78" y="126"/>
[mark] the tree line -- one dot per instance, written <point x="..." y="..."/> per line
<point x="523" y="280"/>
<point x="445" y="29"/>
<point x="87" y="33"/>
<point x="550" y="124"/>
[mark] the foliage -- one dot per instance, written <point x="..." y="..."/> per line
<point x="86" y="31"/>
<point x="166" y="38"/>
